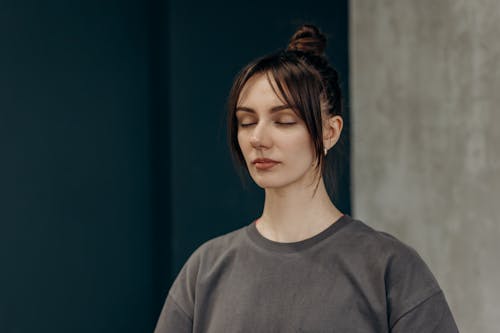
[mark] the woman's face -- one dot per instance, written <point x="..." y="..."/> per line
<point x="270" y="130"/>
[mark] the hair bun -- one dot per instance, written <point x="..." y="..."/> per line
<point x="308" y="39"/>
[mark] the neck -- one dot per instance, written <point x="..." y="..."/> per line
<point x="294" y="214"/>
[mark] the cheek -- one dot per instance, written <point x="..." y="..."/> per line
<point x="242" y="144"/>
<point x="301" y="144"/>
<point x="240" y="141"/>
<point x="302" y="151"/>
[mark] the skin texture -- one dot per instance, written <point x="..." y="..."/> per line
<point x="291" y="212"/>
<point x="281" y="136"/>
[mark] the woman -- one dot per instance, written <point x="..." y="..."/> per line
<point x="303" y="266"/>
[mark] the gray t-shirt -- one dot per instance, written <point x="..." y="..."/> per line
<point x="348" y="278"/>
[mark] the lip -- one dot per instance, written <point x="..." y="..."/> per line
<point x="264" y="160"/>
<point x="264" y="163"/>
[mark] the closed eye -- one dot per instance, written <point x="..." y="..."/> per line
<point x="277" y="123"/>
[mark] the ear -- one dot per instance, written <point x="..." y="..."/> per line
<point x="332" y="128"/>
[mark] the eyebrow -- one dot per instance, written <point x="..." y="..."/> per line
<point x="272" y="110"/>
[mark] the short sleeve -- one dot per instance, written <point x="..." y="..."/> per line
<point x="177" y="313"/>
<point x="431" y="315"/>
<point x="173" y="319"/>
<point x="413" y="294"/>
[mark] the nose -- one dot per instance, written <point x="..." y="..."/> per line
<point x="259" y="137"/>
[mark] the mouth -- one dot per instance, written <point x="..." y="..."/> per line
<point x="264" y="163"/>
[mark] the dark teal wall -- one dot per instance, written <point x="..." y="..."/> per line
<point x="76" y="184"/>
<point x="113" y="161"/>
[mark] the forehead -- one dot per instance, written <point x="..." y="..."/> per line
<point x="260" y="89"/>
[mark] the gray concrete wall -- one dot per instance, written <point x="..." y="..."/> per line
<point x="425" y="97"/>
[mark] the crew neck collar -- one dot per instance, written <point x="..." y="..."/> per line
<point x="291" y="247"/>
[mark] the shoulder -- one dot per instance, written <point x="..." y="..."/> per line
<point x="379" y="244"/>
<point x="216" y="248"/>
<point x="399" y="258"/>
<point x="226" y="242"/>
<point x="202" y="261"/>
<point x="408" y="279"/>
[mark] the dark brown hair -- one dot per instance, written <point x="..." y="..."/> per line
<point x="306" y="81"/>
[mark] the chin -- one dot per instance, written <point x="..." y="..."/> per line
<point x="271" y="181"/>
<point x="268" y="185"/>
<point x="274" y="181"/>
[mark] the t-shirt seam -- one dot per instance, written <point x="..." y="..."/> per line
<point x="289" y="253"/>
<point x="436" y="291"/>
<point x="180" y="307"/>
